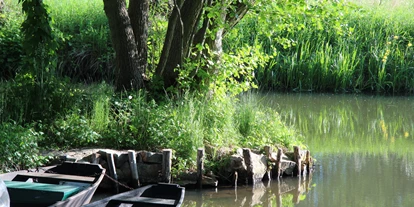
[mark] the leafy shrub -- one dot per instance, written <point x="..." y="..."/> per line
<point x="70" y="131"/>
<point x="19" y="147"/>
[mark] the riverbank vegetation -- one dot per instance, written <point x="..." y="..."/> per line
<point x="62" y="95"/>
<point x="333" y="46"/>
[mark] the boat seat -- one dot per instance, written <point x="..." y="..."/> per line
<point x="142" y="201"/>
<point x="27" y="192"/>
<point x="55" y="177"/>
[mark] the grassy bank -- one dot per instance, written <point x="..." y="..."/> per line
<point x="75" y="115"/>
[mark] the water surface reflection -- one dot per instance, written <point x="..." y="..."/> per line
<point x="364" y="146"/>
<point x="284" y="193"/>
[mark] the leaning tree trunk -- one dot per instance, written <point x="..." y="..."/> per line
<point x="180" y="33"/>
<point x="231" y="12"/>
<point x="129" y="71"/>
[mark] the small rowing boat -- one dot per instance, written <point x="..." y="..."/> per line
<point x="151" y="195"/>
<point x="69" y="184"/>
<point x="4" y="195"/>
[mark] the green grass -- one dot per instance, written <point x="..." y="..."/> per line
<point x="73" y="16"/>
<point x="347" y="46"/>
<point x="336" y="47"/>
<point x="74" y="115"/>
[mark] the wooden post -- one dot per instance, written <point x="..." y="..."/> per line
<point x="166" y="165"/>
<point x="247" y="160"/>
<point x="112" y="170"/>
<point x="308" y="162"/>
<point x="268" y="152"/>
<point x="95" y="158"/>
<point x="297" y="159"/>
<point x="200" y="167"/>
<point x="279" y="163"/>
<point x="134" y="169"/>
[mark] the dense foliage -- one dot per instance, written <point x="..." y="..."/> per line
<point x="302" y="45"/>
<point x="94" y="116"/>
<point x="59" y="94"/>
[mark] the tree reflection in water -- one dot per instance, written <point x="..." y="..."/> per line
<point x="286" y="192"/>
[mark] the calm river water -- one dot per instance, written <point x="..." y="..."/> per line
<point x="364" y="147"/>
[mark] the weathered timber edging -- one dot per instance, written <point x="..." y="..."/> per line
<point x="247" y="167"/>
<point x="131" y="169"/>
<point x="127" y="168"/>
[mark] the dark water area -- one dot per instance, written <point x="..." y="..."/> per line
<point x="364" y="147"/>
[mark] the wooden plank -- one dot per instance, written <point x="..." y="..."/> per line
<point x="112" y="170"/>
<point x="279" y="163"/>
<point x="308" y="162"/>
<point x="24" y="176"/>
<point x="133" y="167"/>
<point x="200" y="167"/>
<point x="298" y="160"/>
<point x="248" y="161"/>
<point x="166" y="165"/>
<point x="268" y="152"/>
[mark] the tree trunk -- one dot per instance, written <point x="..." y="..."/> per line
<point x="181" y="28"/>
<point x="230" y="14"/>
<point x="182" y="33"/>
<point x="129" y="72"/>
<point x="138" y="13"/>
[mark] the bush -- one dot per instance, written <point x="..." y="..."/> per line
<point x="70" y="131"/>
<point x="19" y="147"/>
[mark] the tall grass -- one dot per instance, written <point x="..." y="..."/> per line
<point x="338" y="46"/>
<point x="86" y="53"/>
<point x="333" y="46"/>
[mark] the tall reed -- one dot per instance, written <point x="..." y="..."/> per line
<point x="333" y="46"/>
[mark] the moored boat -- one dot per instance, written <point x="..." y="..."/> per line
<point x="4" y="195"/>
<point x="69" y="184"/>
<point x="151" y="195"/>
